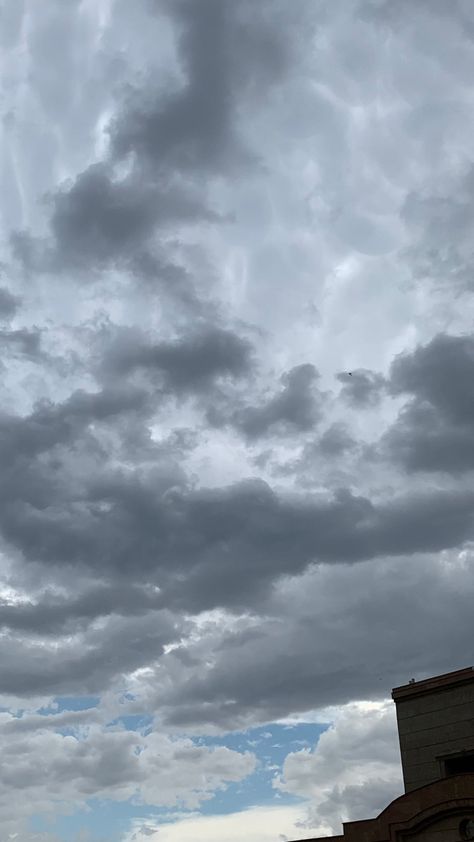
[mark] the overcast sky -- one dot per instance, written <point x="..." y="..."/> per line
<point x="237" y="407"/>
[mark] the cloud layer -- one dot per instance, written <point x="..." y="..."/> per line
<point x="237" y="401"/>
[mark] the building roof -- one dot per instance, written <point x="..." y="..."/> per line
<point x="428" y="685"/>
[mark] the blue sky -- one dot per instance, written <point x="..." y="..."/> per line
<point x="236" y="407"/>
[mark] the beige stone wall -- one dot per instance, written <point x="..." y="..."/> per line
<point x="434" y="725"/>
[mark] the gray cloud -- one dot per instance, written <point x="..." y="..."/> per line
<point x="439" y="373"/>
<point x="296" y="408"/>
<point x="99" y="220"/>
<point x="441" y="226"/>
<point x="265" y="171"/>
<point x="9" y="303"/>
<point x="221" y="55"/>
<point x="23" y="342"/>
<point x="335" y="441"/>
<point x="327" y="638"/>
<point x="361" y="388"/>
<point x="122" y="644"/>
<point x="434" y="431"/>
<point x="189" y="364"/>
<point x="51" y="615"/>
<point x="221" y="547"/>
<point x="52" y="424"/>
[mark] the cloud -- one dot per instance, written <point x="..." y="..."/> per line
<point x="189" y="364"/>
<point x="9" y="303"/>
<point x="434" y="429"/>
<point x="195" y="128"/>
<point x="21" y="343"/>
<point x="361" y="745"/>
<point x="106" y="650"/>
<point x="324" y="638"/>
<point x="361" y="387"/>
<point x="50" y="614"/>
<point x="257" y="824"/>
<point x="100" y="220"/>
<point x="213" y="547"/>
<point x="231" y="190"/>
<point x="113" y="764"/>
<point x="103" y="219"/>
<point x="335" y="441"/>
<point x="54" y="424"/>
<point x="296" y="408"/>
<point x="429" y="373"/>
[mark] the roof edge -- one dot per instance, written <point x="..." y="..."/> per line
<point x="437" y="682"/>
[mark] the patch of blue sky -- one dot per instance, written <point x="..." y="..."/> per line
<point x="61" y="703"/>
<point x="143" y="723"/>
<point x="271" y="744"/>
<point x="104" y="821"/>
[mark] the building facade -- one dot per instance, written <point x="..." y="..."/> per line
<point x="435" y="720"/>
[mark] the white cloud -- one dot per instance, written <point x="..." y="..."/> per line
<point x="257" y="824"/>
<point x="353" y="772"/>
<point x="60" y="772"/>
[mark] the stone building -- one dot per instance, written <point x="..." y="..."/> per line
<point x="436" y="733"/>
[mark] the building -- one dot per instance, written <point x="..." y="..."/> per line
<point x="436" y="733"/>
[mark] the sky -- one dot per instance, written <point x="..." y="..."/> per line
<point x="237" y="407"/>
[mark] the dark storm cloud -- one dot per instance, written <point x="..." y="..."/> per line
<point x="327" y="639"/>
<point x="435" y="430"/>
<point x="156" y="270"/>
<point x="223" y="52"/>
<point x="121" y="645"/>
<point x="24" y="437"/>
<point x="51" y="615"/>
<point x="335" y="441"/>
<point x="296" y="408"/>
<point x="250" y="536"/>
<point x="441" y="373"/>
<point x="9" y="303"/>
<point x="23" y="343"/>
<point x="361" y="387"/>
<point x="229" y="52"/>
<point x="189" y="364"/>
<point x="207" y="548"/>
<point x="99" y="220"/>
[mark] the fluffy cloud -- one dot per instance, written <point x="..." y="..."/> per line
<point x="114" y="764"/>
<point x="257" y="824"/>
<point x="362" y="746"/>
